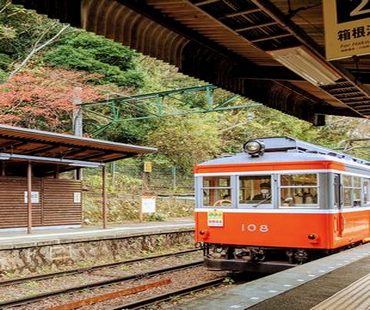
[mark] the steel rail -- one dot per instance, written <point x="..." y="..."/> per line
<point x="87" y="269"/>
<point x="34" y="298"/>
<point x="160" y="298"/>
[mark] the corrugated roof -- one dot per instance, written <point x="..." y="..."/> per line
<point x="37" y="143"/>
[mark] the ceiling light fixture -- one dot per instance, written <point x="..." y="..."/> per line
<point x="4" y="156"/>
<point x="84" y="164"/>
<point x="307" y="65"/>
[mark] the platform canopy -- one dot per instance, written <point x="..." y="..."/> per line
<point x="48" y="150"/>
<point x="271" y="51"/>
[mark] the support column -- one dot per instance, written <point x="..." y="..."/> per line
<point x="104" y="196"/>
<point x="29" y="198"/>
<point x="56" y="172"/>
<point x="78" y="174"/>
<point x="3" y="173"/>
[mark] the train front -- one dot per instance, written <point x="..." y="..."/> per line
<point x="274" y="202"/>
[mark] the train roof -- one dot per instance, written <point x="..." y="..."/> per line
<point x="286" y="149"/>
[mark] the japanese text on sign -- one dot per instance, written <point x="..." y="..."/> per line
<point x="347" y="28"/>
<point x="35" y="197"/>
<point x="215" y="218"/>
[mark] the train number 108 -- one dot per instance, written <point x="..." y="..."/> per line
<point x="255" y="228"/>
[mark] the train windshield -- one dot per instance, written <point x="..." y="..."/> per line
<point x="255" y="190"/>
<point x="217" y="191"/>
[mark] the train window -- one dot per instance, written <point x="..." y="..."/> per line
<point x="357" y="182"/>
<point x="351" y="191"/>
<point x="298" y="190"/>
<point x="217" y="191"/>
<point x="347" y="181"/>
<point x="255" y="190"/>
<point x="366" y="194"/>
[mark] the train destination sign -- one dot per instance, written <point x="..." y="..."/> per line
<point x="215" y="218"/>
<point x="347" y="28"/>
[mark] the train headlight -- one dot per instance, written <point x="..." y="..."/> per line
<point x="254" y="147"/>
<point x="313" y="238"/>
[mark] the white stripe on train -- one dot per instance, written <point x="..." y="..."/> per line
<point x="279" y="172"/>
<point x="288" y="210"/>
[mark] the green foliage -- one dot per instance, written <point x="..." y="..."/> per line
<point x="85" y="51"/>
<point x="161" y="76"/>
<point x="104" y="50"/>
<point x="187" y="140"/>
<point x="5" y="61"/>
<point x="124" y="208"/>
<point x="156" y="217"/>
<point x="127" y="131"/>
<point x="122" y="183"/>
<point x="3" y="76"/>
<point x="228" y="281"/>
<point x="20" y="29"/>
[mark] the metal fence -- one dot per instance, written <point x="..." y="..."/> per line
<point x="161" y="179"/>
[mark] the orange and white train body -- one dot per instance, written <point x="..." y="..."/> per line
<point x="314" y="200"/>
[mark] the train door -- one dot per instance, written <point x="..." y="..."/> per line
<point x="338" y="204"/>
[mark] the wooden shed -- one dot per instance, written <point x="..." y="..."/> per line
<point x="31" y="161"/>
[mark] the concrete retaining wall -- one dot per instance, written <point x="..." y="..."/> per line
<point x="42" y="257"/>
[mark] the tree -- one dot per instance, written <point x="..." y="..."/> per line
<point x="187" y="140"/>
<point x="23" y="33"/>
<point x="82" y="50"/>
<point x="37" y="46"/>
<point x="43" y="99"/>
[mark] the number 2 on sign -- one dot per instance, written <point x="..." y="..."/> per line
<point x="358" y="10"/>
<point x="255" y="228"/>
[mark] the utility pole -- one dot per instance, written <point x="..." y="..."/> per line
<point x="77" y="112"/>
<point x="77" y="121"/>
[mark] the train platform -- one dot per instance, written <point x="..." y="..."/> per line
<point x="340" y="281"/>
<point x="54" y="248"/>
<point x="49" y="236"/>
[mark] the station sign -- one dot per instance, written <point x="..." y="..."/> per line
<point x="35" y="197"/>
<point x="347" y="28"/>
<point x="148" y="166"/>
<point x="77" y="197"/>
<point x="148" y="204"/>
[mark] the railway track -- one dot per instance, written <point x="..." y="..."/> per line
<point x="148" y="302"/>
<point x="114" y="283"/>
<point x="88" y="269"/>
<point x="98" y="284"/>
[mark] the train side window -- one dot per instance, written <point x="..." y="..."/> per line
<point x="298" y="190"/>
<point x="351" y="191"/>
<point x="356" y="199"/>
<point x="255" y="190"/>
<point x="217" y="191"/>
<point x="366" y="192"/>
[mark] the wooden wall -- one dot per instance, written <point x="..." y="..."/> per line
<point x="56" y="204"/>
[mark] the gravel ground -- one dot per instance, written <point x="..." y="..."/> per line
<point x="37" y="287"/>
<point x="179" y="279"/>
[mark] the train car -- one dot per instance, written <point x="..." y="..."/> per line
<point x="281" y="199"/>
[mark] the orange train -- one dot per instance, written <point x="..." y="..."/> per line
<point x="280" y="199"/>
